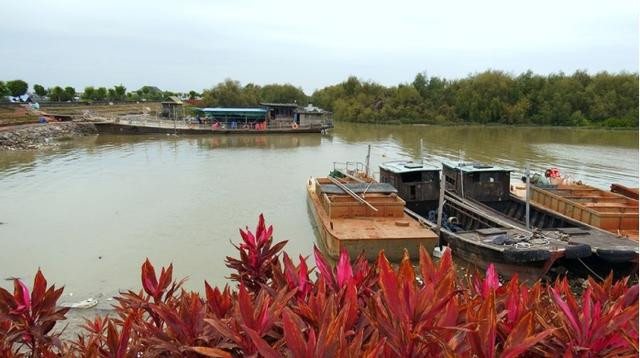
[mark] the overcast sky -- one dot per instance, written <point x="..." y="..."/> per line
<point x="194" y="44"/>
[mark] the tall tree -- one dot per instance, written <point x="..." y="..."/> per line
<point x="101" y="94"/>
<point x="120" y="92"/>
<point x="39" y="90"/>
<point x="69" y="93"/>
<point x="4" y="90"/>
<point x="89" y="93"/>
<point x="17" y="87"/>
<point x="56" y="94"/>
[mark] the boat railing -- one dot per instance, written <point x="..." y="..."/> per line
<point x="350" y="168"/>
<point x="153" y="121"/>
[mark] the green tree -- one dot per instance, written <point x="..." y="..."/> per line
<point x="56" y="94"/>
<point x="69" y="93"/>
<point x="193" y="94"/>
<point x="17" y="87"/>
<point x="120" y="92"/>
<point x="286" y="93"/>
<point x="39" y="90"/>
<point x="89" y="93"/>
<point x="100" y="94"/>
<point x="4" y="90"/>
<point x="420" y="84"/>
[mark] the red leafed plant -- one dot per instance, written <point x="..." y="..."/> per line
<point x="27" y="318"/>
<point x="355" y="309"/>
<point x="257" y="255"/>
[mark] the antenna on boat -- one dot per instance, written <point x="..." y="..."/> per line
<point x="368" y="158"/>
<point x="526" y="174"/>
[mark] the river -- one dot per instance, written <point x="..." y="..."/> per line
<point x="91" y="210"/>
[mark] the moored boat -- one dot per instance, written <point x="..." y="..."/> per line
<point x="473" y="235"/>
<point x="363" y="216"/>
<point x="609" y="211"/>
<point x="626" y="191"/>
<point x="486" y="187"/>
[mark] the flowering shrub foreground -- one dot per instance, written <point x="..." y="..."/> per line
<point x="281" y="308"/>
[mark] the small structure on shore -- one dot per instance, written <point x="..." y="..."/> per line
<point x="172" y="108"/>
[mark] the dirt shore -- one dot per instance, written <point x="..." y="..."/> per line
<point x="36" y="136"/>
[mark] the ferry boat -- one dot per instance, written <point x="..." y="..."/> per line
<point x="355" y="213"/>
<point x="269" y="118"/>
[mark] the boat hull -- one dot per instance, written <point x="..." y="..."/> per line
<point x="124" y="128"/>
<point x="332" y="243"/>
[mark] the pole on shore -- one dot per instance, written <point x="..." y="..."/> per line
<point x="440" y="208"/>
<point x="526" y="174"/>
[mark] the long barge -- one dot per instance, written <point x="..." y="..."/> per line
<point x="270" y="118"/>
<point x="157" y="127"/>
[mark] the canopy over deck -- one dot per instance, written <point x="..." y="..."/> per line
<point x="254" y="113"/>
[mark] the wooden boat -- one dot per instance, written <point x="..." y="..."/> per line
<point x="626" y="191"/>
<point x="595" y="207"/>
<point x="487" y="188"/>
<point x="344" y="221"/>
<point x="473" y="235"/>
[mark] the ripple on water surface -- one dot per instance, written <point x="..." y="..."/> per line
<point x="90" y="211"/>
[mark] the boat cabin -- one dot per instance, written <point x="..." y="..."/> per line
<point x="417" y="183"/>
<point x="312" y="116"/>
<point x="231" y="117"/>
<point x="481" y="182"/>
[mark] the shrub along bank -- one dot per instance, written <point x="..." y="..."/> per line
<point x="357" y="309"/>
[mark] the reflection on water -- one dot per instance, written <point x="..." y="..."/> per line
<point x="90" y="211"/>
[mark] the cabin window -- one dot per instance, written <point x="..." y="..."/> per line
<point x="412" y="192"/>
<point x="428" y="177"/>
<point x="475" y="177"/>
<point x="411" y="177"/>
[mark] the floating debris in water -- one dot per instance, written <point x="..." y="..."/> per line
<point x="84" y="304"/>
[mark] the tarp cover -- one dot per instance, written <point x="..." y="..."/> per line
<point x="359" y="188"/>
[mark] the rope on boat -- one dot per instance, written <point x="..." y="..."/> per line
<point x="590" y="270"/>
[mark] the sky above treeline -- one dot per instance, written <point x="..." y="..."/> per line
<point x="194" y="44"/>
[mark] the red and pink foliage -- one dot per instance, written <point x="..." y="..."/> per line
<point x="354" y="309"/>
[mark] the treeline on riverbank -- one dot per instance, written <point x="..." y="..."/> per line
<point x="607" y="100"/>
<point x="490" y="97"/>
<point x="580" y="99"/>
<point x="17" y="89"/>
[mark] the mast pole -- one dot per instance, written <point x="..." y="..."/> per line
<point x="526" y="174"/>
<point x="440" y="208"/>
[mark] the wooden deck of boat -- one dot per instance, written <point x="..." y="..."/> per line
<point x="375" y="228"/>
<point x="583" y="234"/>
<point x="350" y="228"/>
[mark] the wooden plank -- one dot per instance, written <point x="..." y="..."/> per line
<point x="348" y="191"/>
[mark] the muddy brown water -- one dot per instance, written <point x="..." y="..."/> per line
<point x="89" y="211"/>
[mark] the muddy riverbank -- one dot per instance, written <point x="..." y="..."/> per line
<point x="36" y="136"/>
